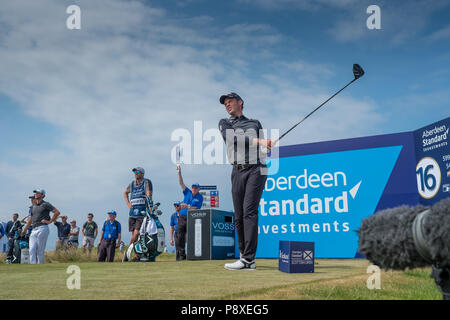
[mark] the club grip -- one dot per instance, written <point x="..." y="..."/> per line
<point x="264" y="150"/>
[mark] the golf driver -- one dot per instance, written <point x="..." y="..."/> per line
<point x="358" y="72"/>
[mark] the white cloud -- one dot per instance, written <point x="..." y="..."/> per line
<point x="309" y="5"/>
<point x="415" y="103"/>
<point x="440" y="34"/>
<point x="118" y="87"/>
<point x="401" y="21"/>
<point x="244" y="34"/>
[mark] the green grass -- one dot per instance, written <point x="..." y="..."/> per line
<point x="394" y="286"/>
<point x="168" y="279"/>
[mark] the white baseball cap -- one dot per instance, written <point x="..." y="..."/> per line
<point x="138" y="169"/>
<point x="39" y="191"/>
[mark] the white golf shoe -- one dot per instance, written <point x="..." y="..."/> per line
<point x="241" y="264"/>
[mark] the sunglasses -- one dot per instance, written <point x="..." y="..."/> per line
<point x="137" y="171"/>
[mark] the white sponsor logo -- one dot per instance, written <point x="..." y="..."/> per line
<point x="198" y="214"/>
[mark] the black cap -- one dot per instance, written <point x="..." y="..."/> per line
<point x="231" y="95"/>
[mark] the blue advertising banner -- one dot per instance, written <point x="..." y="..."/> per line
<point x="320" y="192"/>
<point x="433" y="162"/>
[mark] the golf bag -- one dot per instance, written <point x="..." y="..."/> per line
<point x="19" y="249"/>
<point x="148" y="245"/>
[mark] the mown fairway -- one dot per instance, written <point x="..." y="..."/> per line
<point x="167" y="279"/>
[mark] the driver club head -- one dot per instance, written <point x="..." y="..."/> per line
<point x="358" y="72"/>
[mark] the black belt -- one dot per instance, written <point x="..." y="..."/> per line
<point x="245" y="166"/>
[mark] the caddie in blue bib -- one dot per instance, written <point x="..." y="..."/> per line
<point x="136" y="192"/>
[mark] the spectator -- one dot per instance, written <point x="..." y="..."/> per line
<point x="192" y="200"/>
<point x="11" y="228"/>
<point x="40" y="219"/>
<point x="110" y="238"/>
<point x="89" y="233"/>
<point x="2" y="231"/>
<point x="63" y="233"/>
<point x="179" y="243"/>
<point x="73" y="234"/>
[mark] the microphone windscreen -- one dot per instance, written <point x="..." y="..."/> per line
<point x="386" y="238"/>
<point x="437" y="232"/>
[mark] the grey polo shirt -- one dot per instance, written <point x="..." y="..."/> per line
<point x="39" y="212"/>
<point x="238" y="134"/>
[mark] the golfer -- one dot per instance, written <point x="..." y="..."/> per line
<point x="40" y="219"/>
<point x="243" y="138"/>
<point x="135" y="196"/>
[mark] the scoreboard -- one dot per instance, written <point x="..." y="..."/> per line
<point x="210" y="196"/>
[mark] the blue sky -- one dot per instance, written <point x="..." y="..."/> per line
<point x="80" y="108"/>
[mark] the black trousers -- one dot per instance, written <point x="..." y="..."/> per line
<point x="247" y="187"/>
<point x="180" y="239"/>
<point x="10" y="249"/>
<point x="107" y="250"/>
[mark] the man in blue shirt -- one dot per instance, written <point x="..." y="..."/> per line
<point x="192" y="200"/>
<point x="179" y="246"/>
<point x="110" y="238"/>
